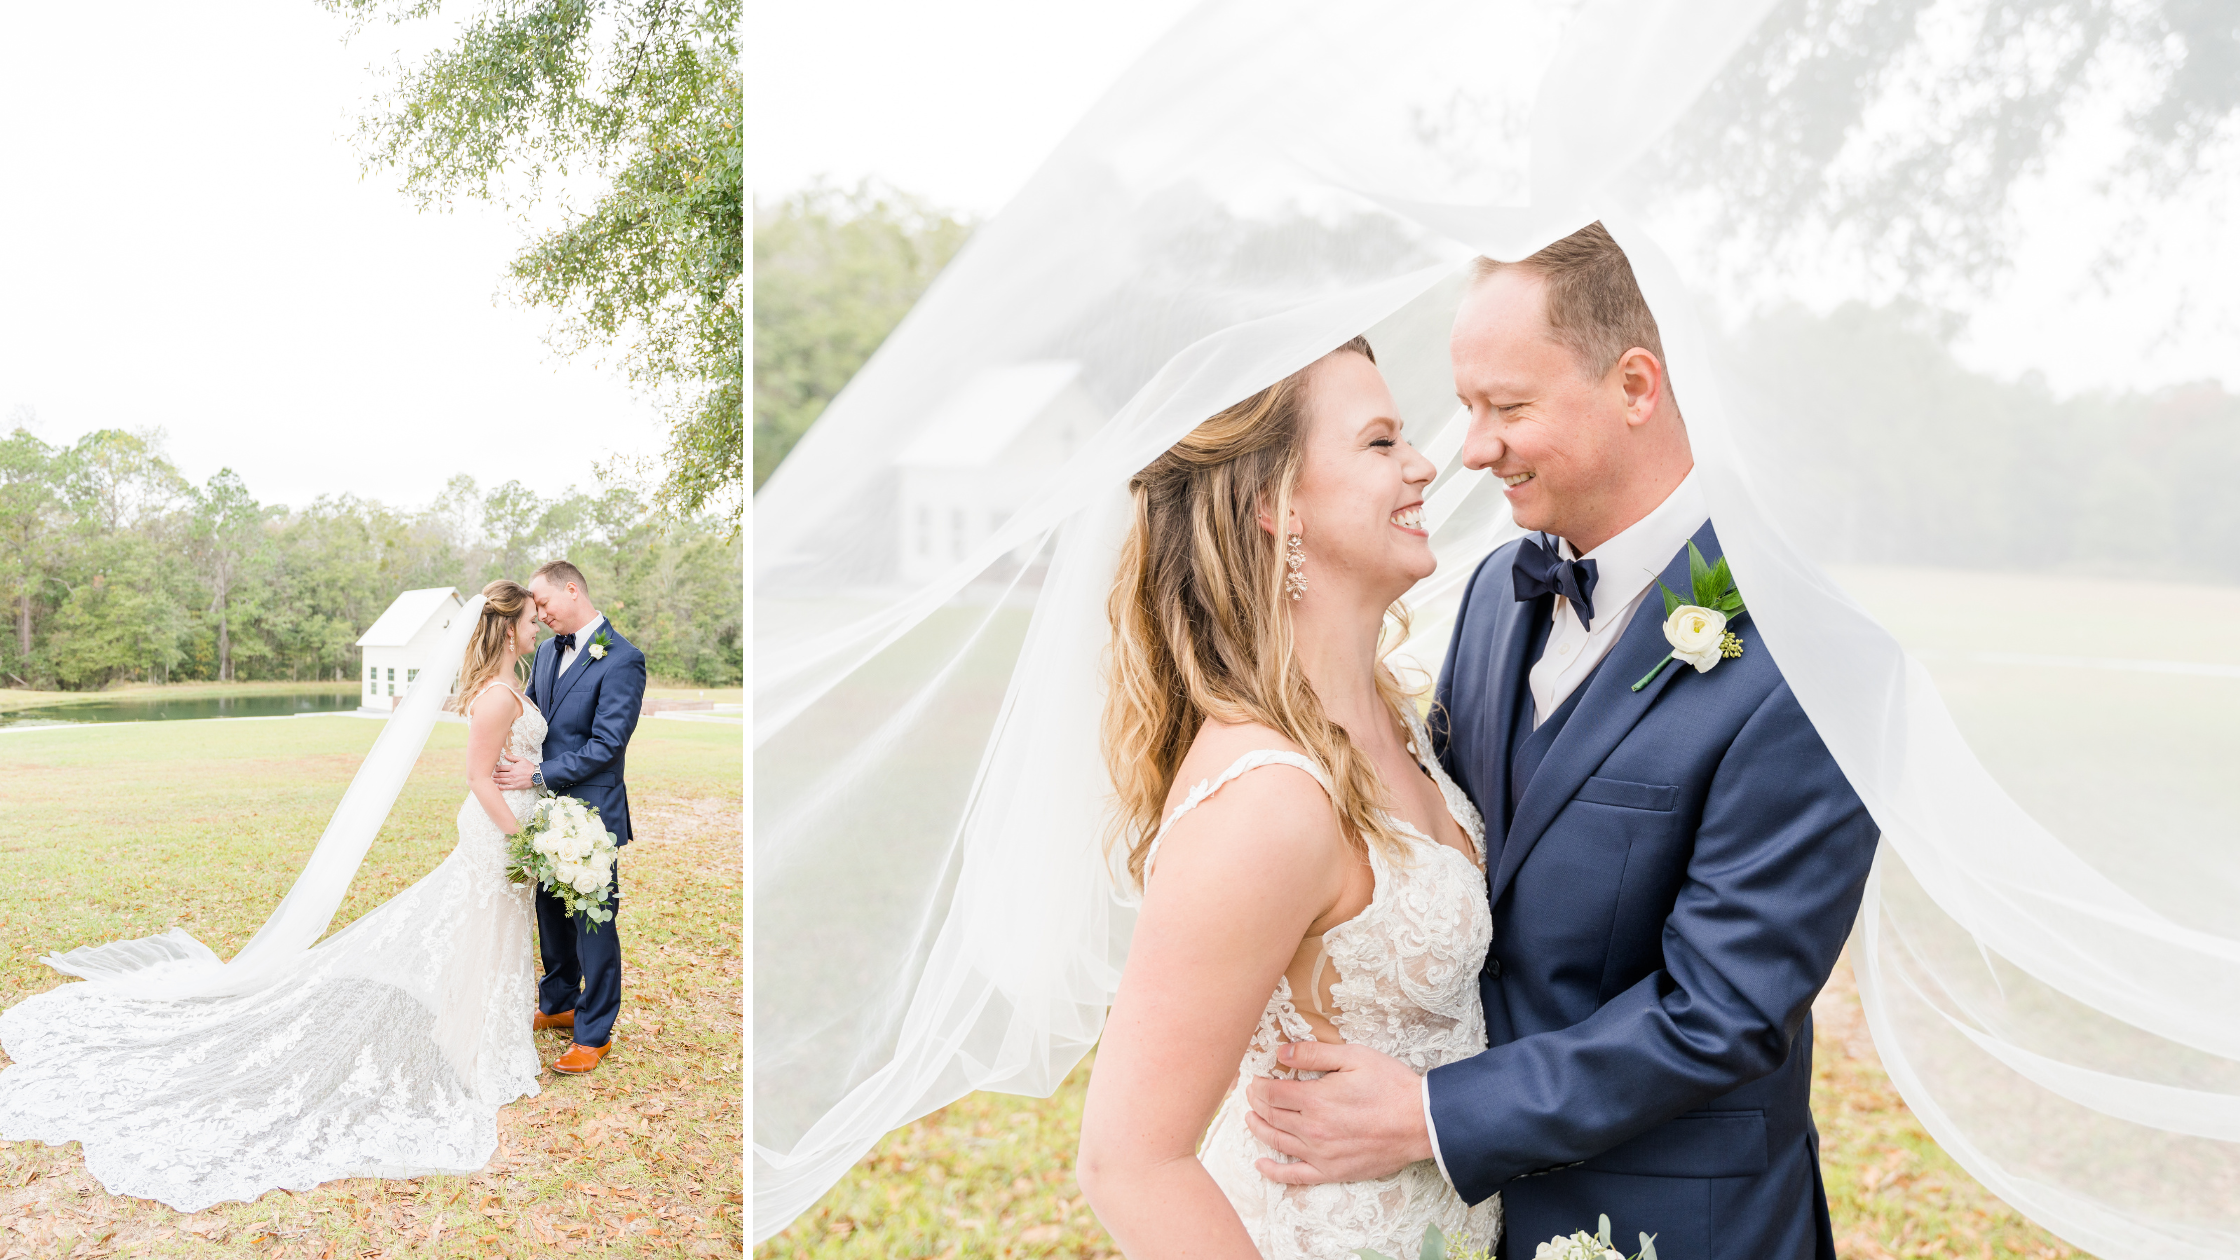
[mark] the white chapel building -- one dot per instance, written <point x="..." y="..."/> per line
<point x="980" y="454"/>
<point x="398" y="644"/>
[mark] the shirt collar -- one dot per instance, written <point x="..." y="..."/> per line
<point x="587" y="629"/>
<point x="1629" y="562"/>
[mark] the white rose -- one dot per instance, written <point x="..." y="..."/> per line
<point x="566" y="872"/>
<point x="591" y="883"/>
<point x="1695" y="633"/>
<point x="598" y="651"/>
<point x="1579" y="1246"/>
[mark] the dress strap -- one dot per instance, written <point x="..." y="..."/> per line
<point x="1207" y="787"/>
<point x="519" y="703"/>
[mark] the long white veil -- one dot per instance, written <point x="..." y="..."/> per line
<point x="932" y="911"/>
<point x="176" y="965"/>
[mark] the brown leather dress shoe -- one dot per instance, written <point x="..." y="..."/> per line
<point x="565" y="1019"/>
<point x="580" y="1059"/>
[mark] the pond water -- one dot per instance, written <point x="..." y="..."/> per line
<point x="176" y="708"/>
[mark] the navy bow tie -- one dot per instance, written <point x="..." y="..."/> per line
<point x="567" y="642"/>
<point x="1540" y="572"/>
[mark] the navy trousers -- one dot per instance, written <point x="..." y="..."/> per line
<point x="582" y="965"/>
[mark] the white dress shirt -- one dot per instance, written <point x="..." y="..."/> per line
<point x="583" y="640"/>
<point x="1626" y="569"/>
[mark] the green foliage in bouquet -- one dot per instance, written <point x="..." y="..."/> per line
<point x="565" y="849"/>
<point x="1579" y="1246"/>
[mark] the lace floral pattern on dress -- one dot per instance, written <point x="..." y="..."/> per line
<point x="1407" y="986"/>
<point x="386" y="1051"/>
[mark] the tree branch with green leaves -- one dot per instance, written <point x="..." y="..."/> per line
<point x="642" y="100"/>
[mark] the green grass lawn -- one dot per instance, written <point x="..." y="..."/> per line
<point x="110" y="832"/>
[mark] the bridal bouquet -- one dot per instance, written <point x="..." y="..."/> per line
<point x="1595" y="1246"/>
<point x="565" y="848"/>
<point x="1579" y="1246"/>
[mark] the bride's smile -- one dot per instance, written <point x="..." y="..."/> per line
<point x="1358" y="506"/>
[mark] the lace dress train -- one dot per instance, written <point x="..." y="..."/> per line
<point x="384" y="1050"/>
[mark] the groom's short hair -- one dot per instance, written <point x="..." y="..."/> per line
<point x="560" y="573"/>
<point x="1593" y="305"/>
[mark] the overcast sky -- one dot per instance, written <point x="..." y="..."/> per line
<point x="186" y="243"/>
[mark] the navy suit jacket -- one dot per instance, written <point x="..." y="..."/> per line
<point x="1674" y="888"/>
<point x="589" y="713"/>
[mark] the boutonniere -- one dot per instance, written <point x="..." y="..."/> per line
<point x="599" y="641"/>
<point x="1698" y="631"/>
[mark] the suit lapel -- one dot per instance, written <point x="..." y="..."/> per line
<point x="585" y="663"/>
<point x="1607" y="711"/>
<point x="548" y="670"/>
<point x="1512" y="641"/>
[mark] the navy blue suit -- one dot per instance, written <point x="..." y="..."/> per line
<point x="1673" y="873"/>
<point x="589" y="712"/>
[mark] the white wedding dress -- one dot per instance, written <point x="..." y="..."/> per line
<point x="1407" y="986"/>
<point x="385" y="1050"/>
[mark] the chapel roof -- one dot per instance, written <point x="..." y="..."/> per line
<point x="409" y="615"/>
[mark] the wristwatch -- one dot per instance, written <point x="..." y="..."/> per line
<point x="536" y="780"/>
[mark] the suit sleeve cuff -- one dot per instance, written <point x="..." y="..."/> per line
<point x="1433" y="1130"/>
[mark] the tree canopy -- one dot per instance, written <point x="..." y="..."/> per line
<point x="641" y="99"/>
<point x="113" y="567"/>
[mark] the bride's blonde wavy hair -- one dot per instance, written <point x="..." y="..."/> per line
<point x="503" y="601"/>
<point x="1201" y="628"/>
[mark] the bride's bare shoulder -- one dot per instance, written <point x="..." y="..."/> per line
<point x="1275" y="814"/>
<point x="1219" y="745"/>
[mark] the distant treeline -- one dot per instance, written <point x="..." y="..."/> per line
<point x="1886" y="449"/>
<point x="113" y="567"/>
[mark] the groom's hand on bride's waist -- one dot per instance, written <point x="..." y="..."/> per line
<point x="513" y="774"/>
<point x="1362" y="1120"/>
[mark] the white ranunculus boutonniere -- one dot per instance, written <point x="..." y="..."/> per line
<point x="1698" y="631"/>
<point x="1696" y="635"/>
<point x="599" y="642"/>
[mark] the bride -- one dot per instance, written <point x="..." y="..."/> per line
<point x="1307" y="868"/>
<point x="384" y="1050"/>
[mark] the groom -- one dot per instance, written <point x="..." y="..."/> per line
<point x="590" y="684"/>
<point x="1673" y="869"/>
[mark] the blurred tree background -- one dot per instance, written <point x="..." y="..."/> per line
<point x="834" y="271"/>
<point x="115" y="568"/>
<point x="1922" y="468"/>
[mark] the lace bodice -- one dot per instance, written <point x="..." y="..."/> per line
<point x="526" y="741"/>
<point x="1407" y="986"/>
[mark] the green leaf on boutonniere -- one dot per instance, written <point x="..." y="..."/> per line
<point x="1713" y="587"/>
<point x="1720" y="585"/>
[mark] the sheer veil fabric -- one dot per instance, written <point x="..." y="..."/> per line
<point x="176" y="965"/>
<point x="385" y="1049"/>
<point x="933" y="910"/>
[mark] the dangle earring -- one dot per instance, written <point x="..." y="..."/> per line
<point x="1294" y="559"/>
